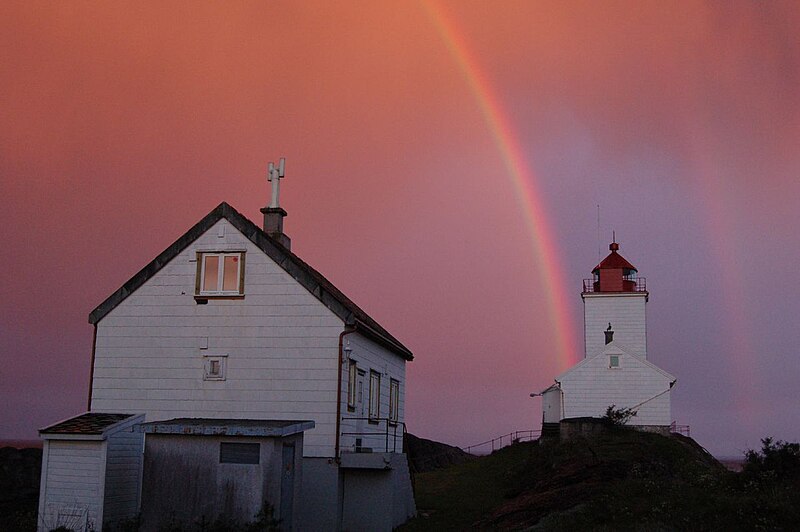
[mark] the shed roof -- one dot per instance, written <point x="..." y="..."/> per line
<point x="227" y="427"/>
<point x="90" y="423"/>
<point x="308" y="277"/>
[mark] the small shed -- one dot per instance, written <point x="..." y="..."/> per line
<point x="200" y="471"/>
<point x="91" y="471"/>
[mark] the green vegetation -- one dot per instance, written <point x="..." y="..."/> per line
<point x="618" y="416"/>
<point x="621" y="479"/>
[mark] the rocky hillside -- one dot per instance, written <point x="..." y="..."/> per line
<point x="428" y="455"/>
<point x="618" y="480"/>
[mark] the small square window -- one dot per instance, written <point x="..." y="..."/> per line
<point x="214" y="367"/>
<point x="239" y="453"/>
<point x="220" y="274"/>
<point x="613" y="361"/>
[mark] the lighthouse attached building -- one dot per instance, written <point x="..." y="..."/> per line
<point x="615" y="369"/>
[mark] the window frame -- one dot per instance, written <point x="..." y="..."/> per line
<point x="352" y="382"/>
<point x="199" y="290"/>
<point x="239" y="453"/>
<point x="374" y="399"/>
<point x="208" y="361"/>
<point x="394" y="400"/>
<point x="612" y="359"/>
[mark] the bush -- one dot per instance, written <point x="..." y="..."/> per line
<point x="777" y="460"/>
<point x="618" y="417"/>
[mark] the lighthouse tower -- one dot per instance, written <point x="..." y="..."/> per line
<point x="614" y="301"/>
<point x="615" y="371"/>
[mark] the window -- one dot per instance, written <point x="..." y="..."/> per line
<point x="214" y="367"/>
<point x="394" y="400"/>
<point x="239" y="453"/>
<point x="351" y="386"/>
<point x="220" y="274"/>
<point x="613" y="361"/>
<point x="374" y="396"/>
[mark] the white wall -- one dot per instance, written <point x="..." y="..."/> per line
<point x="551" y="406"/>
<point x="591" y="387"/>
<point x="369" y="355"/>
<point x="123" y="470"/>
<point x="72" y="478"/>
<point x="281" y="342"/>
<point x="625" y="311"/>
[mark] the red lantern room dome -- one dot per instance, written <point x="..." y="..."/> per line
<point x="614" y="274"/>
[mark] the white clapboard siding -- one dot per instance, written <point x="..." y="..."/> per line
<point x="627" y="315"/>
<point x="123" y="469"/>
<point x="72" y="483"/>
<point x="369" y="356"/>
<point x="281" y="345"/>
<point x="590" y="387"/>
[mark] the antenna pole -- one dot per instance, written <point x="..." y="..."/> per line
<point x="599" y="252"/>
<point x="274" y="175"/>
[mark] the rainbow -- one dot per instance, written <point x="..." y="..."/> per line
<point x="720" y="227"/>
<point x="528" y="197"/>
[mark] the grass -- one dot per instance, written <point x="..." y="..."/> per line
<point x="619" y="480"/>
<point x="457" y="497"/>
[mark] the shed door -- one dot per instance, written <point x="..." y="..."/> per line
<point x="287" y="486"/>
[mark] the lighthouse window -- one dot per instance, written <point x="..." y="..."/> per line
<point x="613" y="361"/>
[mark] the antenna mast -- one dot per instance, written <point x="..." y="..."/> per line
<point x="599" y="252"/>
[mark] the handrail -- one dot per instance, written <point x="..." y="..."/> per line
<point x="511" y="437"/>
<point x="389" y="431"/>
<point x="633" y="284"/>
<point x="679" y="429"/>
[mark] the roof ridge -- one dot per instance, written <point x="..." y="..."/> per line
<point x="313" y="281"/>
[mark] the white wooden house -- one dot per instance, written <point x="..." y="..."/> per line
<point x="228" y="323"/>
<point x="615" y="369"/>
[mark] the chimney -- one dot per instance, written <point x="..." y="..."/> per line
<point x="609" y="334"/>
<point x="273" y="214"/>
<point x="273" y="225"/>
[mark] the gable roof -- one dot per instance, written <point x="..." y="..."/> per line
<point x="615" y="348"/>
<point x="308" y="277"/>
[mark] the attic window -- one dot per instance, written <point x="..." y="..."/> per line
<point x="220" y="274"/>
<point x="613" y="361"/>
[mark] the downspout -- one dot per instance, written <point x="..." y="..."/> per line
<point x="91" y="369"/>
<point x="348" y="329"/>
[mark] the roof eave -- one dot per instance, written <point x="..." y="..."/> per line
<point x="308" y="277"/>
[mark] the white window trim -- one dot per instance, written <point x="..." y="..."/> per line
<point x="223" y="363"/>
<point x="394" y="400"/>
<point x="201" y="257"/>
<point x="351" y="384"/>
<point x="619" y="362"/>
<point x="374" y="413"/>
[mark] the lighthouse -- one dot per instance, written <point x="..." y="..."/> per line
<point x="615" y="295"/>
<point x="615" y="370"/>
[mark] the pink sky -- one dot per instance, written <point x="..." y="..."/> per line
<point x="122" y="125"/>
